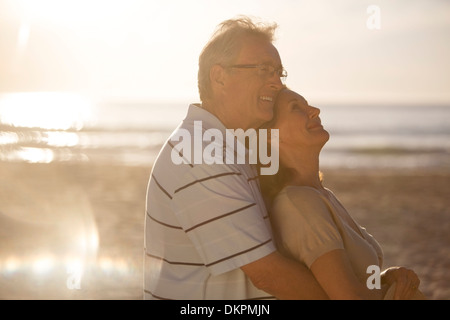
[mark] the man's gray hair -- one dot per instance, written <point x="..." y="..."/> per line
<point x="224" y="47"/>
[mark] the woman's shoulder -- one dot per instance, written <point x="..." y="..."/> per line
<point x="303" y="223"/>
<point x="301" y="199"/>
<point x="299" y="193"/>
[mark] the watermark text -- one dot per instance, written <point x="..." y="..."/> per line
<point x="237" y="147"/>
<point x="374" y="19"/>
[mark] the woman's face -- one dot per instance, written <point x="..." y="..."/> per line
<point x="298" y="123"/>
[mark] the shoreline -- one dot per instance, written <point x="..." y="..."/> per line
<point x="53" y="214"/>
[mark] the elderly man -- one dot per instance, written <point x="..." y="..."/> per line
<point x="207" y="232"/>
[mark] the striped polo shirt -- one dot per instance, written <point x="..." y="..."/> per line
<point x="203" y="222"/>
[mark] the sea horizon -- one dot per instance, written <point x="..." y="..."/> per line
<point x="57" y="127"/>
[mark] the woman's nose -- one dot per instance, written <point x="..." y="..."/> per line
<point x="314" y="112"/>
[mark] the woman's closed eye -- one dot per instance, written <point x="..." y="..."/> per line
<point x="297" y="107"/>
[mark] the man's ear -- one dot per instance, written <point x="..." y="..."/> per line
<point x="217" y="75"/>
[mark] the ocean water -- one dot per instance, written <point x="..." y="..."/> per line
<point x="60" y="127"/>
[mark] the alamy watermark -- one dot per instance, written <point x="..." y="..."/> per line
<point x="73" y="281"/>
<point x="237" y="147"/>
<point x="374" y="280"/>
<point x="374" y="20"/>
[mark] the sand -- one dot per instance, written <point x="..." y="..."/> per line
<point x="75" y="231"/>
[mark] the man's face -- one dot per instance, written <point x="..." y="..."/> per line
<point x="249" y="96"/>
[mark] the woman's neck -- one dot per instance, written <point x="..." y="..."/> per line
<point x="305" y="166"/>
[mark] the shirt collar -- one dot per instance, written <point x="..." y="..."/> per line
<point x="210" y="121"/>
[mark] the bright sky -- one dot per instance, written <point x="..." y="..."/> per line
<point x="147" y="50"/>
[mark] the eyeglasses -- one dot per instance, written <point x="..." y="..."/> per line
<point x="264" y="70"/>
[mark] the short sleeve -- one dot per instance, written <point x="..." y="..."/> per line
<point x="220" y="215"/>
<point x="303" y="225"/>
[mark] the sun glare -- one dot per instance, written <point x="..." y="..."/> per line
<point x="24" y="35"/>
<point x="65" y="11"/>
<point x="35" y="155"/>
<point x="48" y="110"/>
<point x="43" y="265"/>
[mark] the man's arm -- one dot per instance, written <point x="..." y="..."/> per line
<point x="284" y="278"/>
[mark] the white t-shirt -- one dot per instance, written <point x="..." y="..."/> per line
<point x="203" y="222"/>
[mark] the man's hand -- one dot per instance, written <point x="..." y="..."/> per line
<point x="407" y="282"/>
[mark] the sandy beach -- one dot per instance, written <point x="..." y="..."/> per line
<point x="75" y="231"/>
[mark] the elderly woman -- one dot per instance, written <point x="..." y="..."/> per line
<point x="309" y="222"/>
